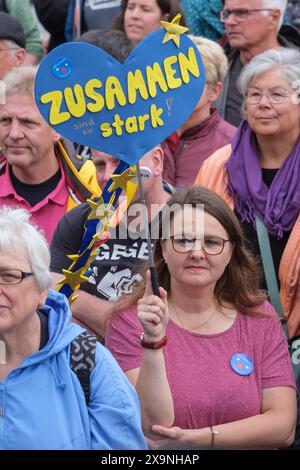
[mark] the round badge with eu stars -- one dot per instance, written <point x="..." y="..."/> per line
<point x="62" y="67"/>
<point x="241" y="364"/>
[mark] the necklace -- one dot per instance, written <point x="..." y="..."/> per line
<point x="195" y="327"/>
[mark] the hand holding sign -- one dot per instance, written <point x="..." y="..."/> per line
<point x="121" y="109"/>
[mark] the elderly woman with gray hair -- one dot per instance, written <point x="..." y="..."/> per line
<point x="43" y="404"/>
<point x="259" y="173"/>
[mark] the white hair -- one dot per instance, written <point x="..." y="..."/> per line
<point x="20" y="80"/>
<point x="277" y="4"/>
<point x="16" y="231"/>
<point x="285" y="59"/>
<point x="214" y="59"/>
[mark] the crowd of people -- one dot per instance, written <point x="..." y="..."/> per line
<point x="202" y="363"/>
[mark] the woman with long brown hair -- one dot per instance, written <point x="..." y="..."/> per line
<point x="208" y="357"/>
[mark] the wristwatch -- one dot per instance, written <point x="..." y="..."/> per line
<point x="156" y="345"/>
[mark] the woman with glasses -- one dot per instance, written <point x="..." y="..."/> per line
<point x="259" y="173"/>
<point x="208" y="357"/>
<point x="42" y="400"/>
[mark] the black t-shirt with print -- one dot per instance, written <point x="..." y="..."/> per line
<point x="120" y="264"/>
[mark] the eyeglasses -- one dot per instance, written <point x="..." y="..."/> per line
<point x="9" y="49"/>
<point x="12" y="277"/>
<point x="274" y="96"/>
<point x="210" y="245"/>
<point x="240" y="14"/>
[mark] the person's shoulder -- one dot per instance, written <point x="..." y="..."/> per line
<point x="220" y="155"/>
<point x="78" y="213"/>
<point x="289" y="36"/>
<point x="263" y="313"/>
<point x="71" y="225"/>
<point x="124" y="322"/>
<point x="107" y="365"/>
<point x="227" y="129"/>
<point x="126" y="317"/>
<point x="216" y="160"/>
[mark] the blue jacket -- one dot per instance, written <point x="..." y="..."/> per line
<point x="43" y="406"/>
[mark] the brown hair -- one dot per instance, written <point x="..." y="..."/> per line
<point x="170" y="7"/>
<point x="239" y="284"/>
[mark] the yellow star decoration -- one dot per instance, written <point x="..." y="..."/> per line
<point x="100" y="210"/>
<point x="74" y="257"/>
<point x="104" y="212"/>
<point x="107" y="217"/>
<point x="94" y="206"/>
<point x="120" y="181"/>
<point x="101" y="234"/>
<point x="95" y="253"/>
<point x="104" y="228"/>
<point x="73" y="279"/>
<point x="73" y="298"/>
<point x="174" y="30"/>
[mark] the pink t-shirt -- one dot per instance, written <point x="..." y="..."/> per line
<point x="45" y="214"/>
<point x="205" y="389"/>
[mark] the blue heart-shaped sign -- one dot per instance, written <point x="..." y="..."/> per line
<point x="121" y="109"/>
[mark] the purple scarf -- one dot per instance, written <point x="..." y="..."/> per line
<point x="277" y="206"/>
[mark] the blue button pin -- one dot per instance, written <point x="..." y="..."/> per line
<point x="241" y="364"/>
<point x="62" y="67"/>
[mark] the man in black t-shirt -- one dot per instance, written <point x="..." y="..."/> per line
<point x="118" y="266"/>
<point x="121" y="261"/>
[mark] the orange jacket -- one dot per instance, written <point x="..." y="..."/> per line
<point x="213" y="175"/>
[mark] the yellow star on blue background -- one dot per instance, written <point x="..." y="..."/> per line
<point x="74" y="279"/>
<point x="120" y="181"/>
<point x="174" y="30"/>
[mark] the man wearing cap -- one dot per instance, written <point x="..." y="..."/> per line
<point x="12" y="44"/>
